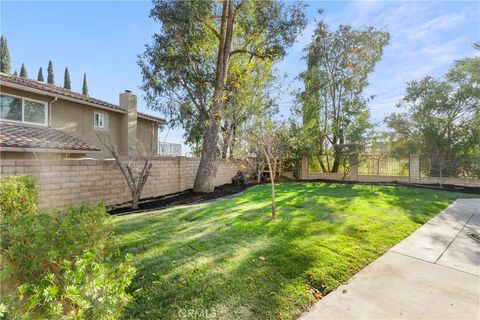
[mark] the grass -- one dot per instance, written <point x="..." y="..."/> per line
<point x="204" y="258"/>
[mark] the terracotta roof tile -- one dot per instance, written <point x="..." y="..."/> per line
<point x="17" y="135"/>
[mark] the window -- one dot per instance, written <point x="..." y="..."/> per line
<point x="23" y="110"/>
<point x="98" y="120"/>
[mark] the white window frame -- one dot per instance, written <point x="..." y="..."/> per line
<point x="45" y="104"/>
<point x="102" y="115"/>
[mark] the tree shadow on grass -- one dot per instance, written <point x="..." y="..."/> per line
<point x="206" y="257"/>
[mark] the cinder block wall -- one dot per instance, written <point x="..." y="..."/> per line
<point x="67" y="182"/>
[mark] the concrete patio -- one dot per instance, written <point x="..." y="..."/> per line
<point x="432" y="274"/>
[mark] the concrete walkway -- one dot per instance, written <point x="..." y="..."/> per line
<point x="432" y="274"/>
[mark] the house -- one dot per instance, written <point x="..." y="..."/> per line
<point x="39" y="120"/>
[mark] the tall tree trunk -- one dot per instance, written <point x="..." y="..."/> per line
<point x="207" y="170"/>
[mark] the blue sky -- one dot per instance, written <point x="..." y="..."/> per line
<point x="104" y="38"/>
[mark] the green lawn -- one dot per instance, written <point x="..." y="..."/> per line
<point x="205" y="257"/>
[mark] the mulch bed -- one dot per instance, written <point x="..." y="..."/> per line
<point x="443" y="187"/>
<point x="183" y="197"/>
<point x="190" y="197"/>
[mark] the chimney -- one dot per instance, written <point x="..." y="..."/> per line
<point x="128" y="142"/>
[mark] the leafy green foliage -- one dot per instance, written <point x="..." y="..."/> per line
<point x="179" y="67"/>
<point x="61" y="264"/>
<point x="333" y="109"/>
<point x="50" y="74"/>
<point x="207" y="256"/>
<point x="4" y="56"/>
<point x="440" y="117"/>
<point x="18" y="196"/>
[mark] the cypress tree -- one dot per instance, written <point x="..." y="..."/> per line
<point x="66" y="80"/>
<point x="50" y="78"/>
<point x="40" y="75"/>
<point x="4" y="56"/>
<point x="15" y="73"/>
<point x="85" y="86"/>
<point x="23" y="71"/>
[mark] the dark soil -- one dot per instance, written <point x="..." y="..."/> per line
<point x="443" y="187"/>
<point x="190" y="197"/>
<point x="183" y="197"/>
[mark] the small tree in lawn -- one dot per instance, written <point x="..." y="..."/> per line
<point x="135" y="168"/>
<point x="272" y="140"/>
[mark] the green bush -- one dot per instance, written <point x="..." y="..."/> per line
<point x="60" y="264"/>
<point x="18" y="195"/>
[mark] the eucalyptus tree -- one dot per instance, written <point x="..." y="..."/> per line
<point x="187" y="67"/>
<point x="440" y="116"/>
<point x="333" y="105"/>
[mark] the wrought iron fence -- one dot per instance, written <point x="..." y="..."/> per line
<point x="450" y="166"/>
<point x="326" y="163"/>
<point x="383" y="165"/>
<point x="166" y="149"/>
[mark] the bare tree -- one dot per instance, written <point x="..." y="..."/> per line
<point x="135" y="168"/>
<point x="271" y="140"/>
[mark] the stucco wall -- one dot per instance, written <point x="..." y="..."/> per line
<point x="77" y="120"/>
<point x="147" y="134"/>
<point x="66" y="182"/>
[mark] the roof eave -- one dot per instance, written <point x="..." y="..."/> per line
<point x="160" y="121"/>
<point x="45" y="150"/>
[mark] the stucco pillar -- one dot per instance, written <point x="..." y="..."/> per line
<point x="414" y="168"/>
<point x="303" y="172"/>
<point x="128" y="143"/>
<point x="353" y="170"/>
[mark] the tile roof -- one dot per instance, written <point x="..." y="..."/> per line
<point x="49" y="88"/>
<point x="150" y="117"/>
<point x="17" y="135"/>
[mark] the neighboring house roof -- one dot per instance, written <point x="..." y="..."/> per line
<point x="14" y="81"/>
<point x="21" y="136"/>
<point x="150" y="117"/>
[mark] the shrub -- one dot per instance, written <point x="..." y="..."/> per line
<point x="18" y="195"/>
<point x="61" y="264"/>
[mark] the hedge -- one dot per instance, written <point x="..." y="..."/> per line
<point x="58" y="264"/>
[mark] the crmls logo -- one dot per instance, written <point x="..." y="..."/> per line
<point x="197" y="313"/>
